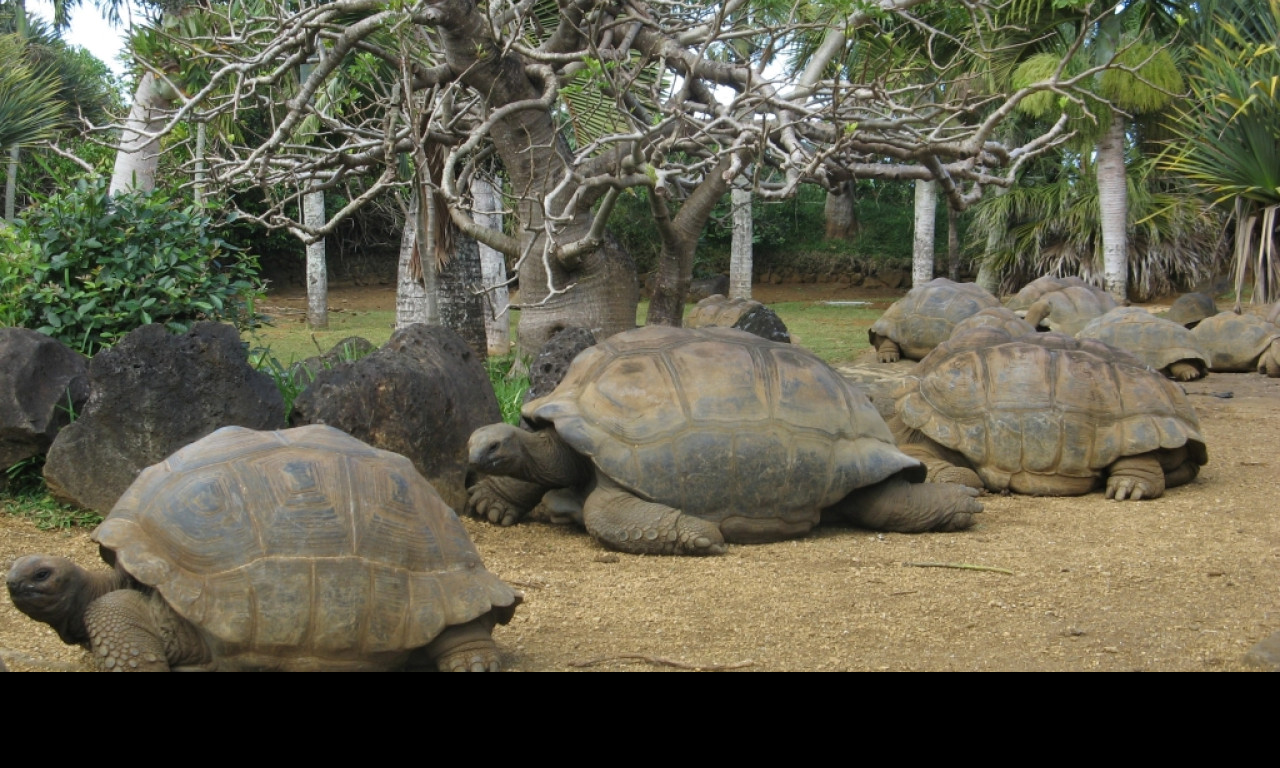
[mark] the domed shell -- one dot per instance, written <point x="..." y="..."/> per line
<point x="1190" y="308"/>
<point x="718" y="422"/>
<point x="232" y="528"/>
<point x="1235" y="342"/>
<point x="1032" y="291"/>
<point x="1157" y="342"/>
<point x="1071" y="308"/>
<point x="1045" y="404"/>
<point x="994" y="317"/>
<point x="925" y="317"/>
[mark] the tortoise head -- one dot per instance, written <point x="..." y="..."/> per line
<point x="497" y="450"/>
<point x="49" y="589"/>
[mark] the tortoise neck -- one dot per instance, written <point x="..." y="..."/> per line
<point x="552" y="462"/>
<point x="94" y="584"/>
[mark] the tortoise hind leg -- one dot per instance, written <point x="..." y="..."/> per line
<point x="1136" y="477"/>
<point x="620" y="520"/>
<point x="897" y="505"/>
<point x="465" y="648"/>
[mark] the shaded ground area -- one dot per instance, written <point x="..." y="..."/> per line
<point x="1187" y="582"/>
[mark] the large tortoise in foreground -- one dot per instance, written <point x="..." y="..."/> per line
<point x="298" y="550"/>
<point x="683" y="439"/>
<point x="925" y="317"/>
<point x="1047" y="415"/>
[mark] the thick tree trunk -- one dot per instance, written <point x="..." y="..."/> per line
<point x="988" y="278"/>
<point x="313" y="215"/>
<point x="597" y="291"/>
<point x="1113" y="210"/>
<point x="679" y="241"/>
<point x="138" y="156"/>
<point x="414" y="302"/>
<point x="740" y="255"/>
<point x="461" y="306"/>
<point x="841" y="212"/>
<point x="493" y="270"/>
<point x="922" y="245"/>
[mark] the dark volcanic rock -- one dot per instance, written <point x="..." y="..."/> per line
<point x="421" y="395"/>
<point x="42" y="383"/>
<point x="150" y="395"/>
<point x="552" y="361"/>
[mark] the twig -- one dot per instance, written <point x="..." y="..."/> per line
<point x="527" y="584"/>
<point x="659" y="661"/>
<point x="961" y="566"/>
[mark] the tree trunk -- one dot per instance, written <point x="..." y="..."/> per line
<point x="596" y="291"/>
<point x="1113" y="210"/>
<point x="926" y="218"/>
<point x="953" y="245"/>
<point x="740" y="255"/>
<point x="679" y="241"/>
<point x="987" y="276"/>
<point x="841" y="212"/>
<point x="414" y="302"/>
<point x="461" y="306"/>
<point x="11" y="184"/>
<point x="493" y="269"/>
<point x="313" y="215"/>
<point x="138" y="156"/>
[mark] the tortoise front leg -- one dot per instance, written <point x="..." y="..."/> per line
<point x="1182" y="371"/>
<point x="621" y="520"/>
<point x="123" y="634"/>
<point x="503" y="500"/>
<point x="888" y="351"/>
<point x="1136" y="477"/>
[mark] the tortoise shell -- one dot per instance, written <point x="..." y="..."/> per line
<point x="994" y="317"/>
<point x="925" y="317"/>
<point x="1190" y="308"/>
<point x="1235" y="342"/>
<point x="1071" y="308"/>
<point x="1157" y="342"/>
<point x="1046" y="404"/>
<point x="719" y="422"/>
<point x="1034" y="290"/>
<point x="304" y="544"/>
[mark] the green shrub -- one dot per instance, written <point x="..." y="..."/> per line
<point x="87" y="268"/>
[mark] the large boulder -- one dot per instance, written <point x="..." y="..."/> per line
<point x="552" y="361"/>
<point x="43" y="382"/>
<point x="150" y="395"/>
<point x="421" y="395"/>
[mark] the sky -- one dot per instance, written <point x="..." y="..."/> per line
<point x="89" y="30"/>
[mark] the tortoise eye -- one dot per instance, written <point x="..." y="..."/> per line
<point x="43" y="574"/>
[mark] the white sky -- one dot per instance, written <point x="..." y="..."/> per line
<point x="89" y="30"/>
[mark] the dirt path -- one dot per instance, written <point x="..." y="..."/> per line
<point x="1186" y="582"/>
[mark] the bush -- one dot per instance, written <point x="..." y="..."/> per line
<point x="87" y="268"/>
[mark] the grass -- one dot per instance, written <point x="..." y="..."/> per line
<point x="27" y="496"/>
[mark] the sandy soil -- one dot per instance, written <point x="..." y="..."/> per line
<point x="1187" y="582"/>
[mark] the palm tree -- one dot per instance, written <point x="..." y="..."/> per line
<point x="1141" y="77"/>
<point x="29" y="112"/>
<point x="1228" y="136"/>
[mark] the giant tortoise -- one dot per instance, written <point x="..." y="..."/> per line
<point x="1047" y="415"/>
<point x="1237" y="343"/>
<point x="925" y="317"/>
<point x="683" y="439"/>
<point x="298" y="550"/>
<point x="1164" y="345"/>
